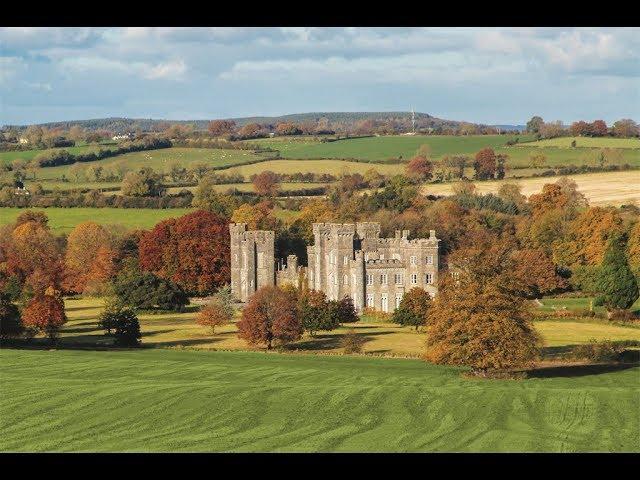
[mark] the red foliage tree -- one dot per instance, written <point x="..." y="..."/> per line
<point x="266" y="183"/>
<point x="218" y="128"/>
<point x="599" y="128"/>
<point x="45" y="313"/>
<point x="270" y="316"/>
<point x="485" y="164"/>
<point x="420" y="168"/>
<point x="192" y="251"/>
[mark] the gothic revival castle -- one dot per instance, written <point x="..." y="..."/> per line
<point x="346" y="259"/>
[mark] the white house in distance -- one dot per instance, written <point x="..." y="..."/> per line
<point x="123" y="136"/>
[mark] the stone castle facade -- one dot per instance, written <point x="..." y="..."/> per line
<point x="346" y="260"/>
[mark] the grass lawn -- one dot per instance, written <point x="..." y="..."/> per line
<point x="63" y="220"/>
<point x="610" y="188"/>
<point x="381" y="337"/>
<point x="162" y="400"/>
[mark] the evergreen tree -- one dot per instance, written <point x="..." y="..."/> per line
<point x="616" y="284"/>
<point x="413" y="309"/>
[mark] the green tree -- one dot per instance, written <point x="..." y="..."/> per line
<point x="10" y="322"/>
<point x="127" y="328"/>
<point x="413" y="309"/>
<point x="616" y="284"/>
<point x="314" y="312"/>
<point x="535" y="124"/>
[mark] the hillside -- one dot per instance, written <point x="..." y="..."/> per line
<point x="121" y="124"/>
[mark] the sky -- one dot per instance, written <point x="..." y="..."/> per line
<point x="483" y="75"/>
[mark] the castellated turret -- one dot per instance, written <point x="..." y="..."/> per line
<point x="252" y="260"/>
<point x="346" y="260"/>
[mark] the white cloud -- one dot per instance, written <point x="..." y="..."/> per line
<point x="10" y="67"/>
<point x="169" y="70"/>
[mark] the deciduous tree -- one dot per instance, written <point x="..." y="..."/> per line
<point x="414" y="309"/>
<point x="270" y="316"/>
<point x="45" y="313"/>
<point x="266" y="183"/>
<point x="485" y="164"/>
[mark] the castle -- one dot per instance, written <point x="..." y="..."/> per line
<point x="346" y="260"/>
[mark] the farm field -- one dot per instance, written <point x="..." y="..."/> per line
<point x="609" y="188"/>
<point x="163" y="400"/>
<point x="63" y="220"/>
<point x="586" y="142"/>
<point x="334" y="167"/>
<point x="8" y="157"/>
<point x="248" y="187"/>
<point x="386" y="147"/>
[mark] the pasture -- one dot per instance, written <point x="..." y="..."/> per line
<point x="586" y="142"/>
<point x="194" y="401"/>
<point x="609" y="188"/>
<point x="63" y="220"/>
<point x="10" y="156"/>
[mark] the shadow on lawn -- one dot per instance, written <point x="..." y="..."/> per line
<point x="568" y="371"/>
<point x="329" y="342"/>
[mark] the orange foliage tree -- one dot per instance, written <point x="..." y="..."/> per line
<point x="89" y="256"/>
<point x="257" y="217"/>
<point x="485" y="164"/>
<point x="45" y="313"/>
<point x="270" y="316"/>
<point x="420" y="168"/>
<point x="536" y="273"/>
<point x="266" y="183"/>
<point x="192" y="251"/>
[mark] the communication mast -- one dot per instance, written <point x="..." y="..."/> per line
<point x="413" y="121"/>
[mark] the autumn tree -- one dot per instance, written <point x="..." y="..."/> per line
<point x="250" y="130"/>
<point x="419" y="168"/>
<point x="580" y="129"/>
<point x="485" y="164"/>
<point x="217" y="128"/>
<point x="257" y="217"/>
<point x="270" y="316"/>
<point x="626" y="128"/>
<point x="208" y="198"/>
<point x="266" y="183"/>
<point x="288" y="128"/>
<point x="192" y="251"/>
<point x="536" y="273"/>
<point x="218" y="312"/>
<point x="34" y="256"/>
<point x="512" y="192"/>
<point x="616" y="284"/>
<point x="550" y="198"/>
<point x="414" y="309"/>
<point x="538" y="160"/>
<point x="45" y="313"/>
<point x="599" y="128"/>
<point x="343" y="310"/>
<point x="89" y="257"/>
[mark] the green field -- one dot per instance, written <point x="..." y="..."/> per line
<point x="188" y="401"/>
<point x="386" y="147"/>
<point x="587" y="142"/>
<point x="8" y="157"/>
<point x="63" y="220"/>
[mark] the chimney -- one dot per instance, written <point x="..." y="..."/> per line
<point x="397" y="234"/>
<point x="432" y="234"/>
<point x="405" y="234"/>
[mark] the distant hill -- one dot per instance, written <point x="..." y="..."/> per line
<point x="122" y="124"/>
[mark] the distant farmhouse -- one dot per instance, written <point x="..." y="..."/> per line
<point x="123" y="136"/>
<point x="346" y="260"/>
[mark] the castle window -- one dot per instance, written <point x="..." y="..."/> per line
<point x="346" y="260"/>
<point x="370" y="300"/>
<point x="398" y="278"/>
<point x="345" y="280"/>
<point x="414" y="278"/>
<point x="383" y="279"/>
<point x="353" y="279"/>
<point x="428" y="278"/>
<point x="382" y="256"/>
<point x="413" y="260"/>
<point x="429" y="259"/>
<point x="398" y="299"/>
<point x="369" y="279"/>
<point x="335" y="280"/>
<point x="384" y="303"/>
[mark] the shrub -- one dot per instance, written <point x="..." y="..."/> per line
<point x="10" y="322"/>
<point x="343" y="311"/>
<point x="127" y="328"/>
<point x="214" y="314"/>
<point x="413" y="309"/>
<point x="623" y="316"/>
<point x="598" y="351"/>
<point x="144" y="290"/>
<point x="352" y="342"/>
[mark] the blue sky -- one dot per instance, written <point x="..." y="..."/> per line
<point x="485" y="75"/>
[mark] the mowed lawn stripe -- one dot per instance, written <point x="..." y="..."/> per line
<point x="160" y="400"/>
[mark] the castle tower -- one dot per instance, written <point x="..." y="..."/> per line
<point x="252" y="260"/>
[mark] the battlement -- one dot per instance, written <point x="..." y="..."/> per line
<point x="239" y="232"/>
<point x="390" y="262"/>
<point x="334" y="229"/>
